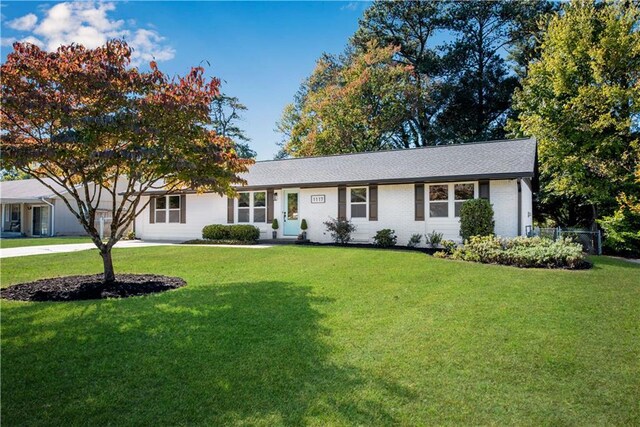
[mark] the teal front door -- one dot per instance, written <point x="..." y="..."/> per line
<point x="291" y="218"/>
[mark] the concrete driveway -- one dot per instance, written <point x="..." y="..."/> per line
<point x="75" y="247"/>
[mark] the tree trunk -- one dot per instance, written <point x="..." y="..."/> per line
<point x="109" y="275"/>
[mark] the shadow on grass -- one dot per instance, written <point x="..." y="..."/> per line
<point x="239" y="353"/>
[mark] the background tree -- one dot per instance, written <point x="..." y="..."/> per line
<point x="464" y="59"/>
<point x="581" y="100"/>
<point x="354" y="106"/>
<point x="94" y="126"/>
<point x="225" y="113"/>
<point x="411" y="26"/>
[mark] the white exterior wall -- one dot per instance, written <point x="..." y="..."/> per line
<point x="527" y="207"/>
<point x="395" y="211"/>
<point x="504" y="198"/>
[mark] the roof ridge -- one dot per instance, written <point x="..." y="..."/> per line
<point x="458" y="144"/>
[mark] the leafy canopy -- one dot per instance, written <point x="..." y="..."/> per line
<point x="92" y="125"/>
<point x="581" y="100"/>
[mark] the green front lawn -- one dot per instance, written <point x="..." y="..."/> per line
<point x="325" y="336"/>
<point x="41" y="241"/>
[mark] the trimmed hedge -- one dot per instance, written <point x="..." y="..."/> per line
<point x="523" y="252"/>
<point x="240" y="232"/>
<point x="476" y="218"/>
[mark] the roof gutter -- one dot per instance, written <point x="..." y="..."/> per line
<point x="53" y="215"/>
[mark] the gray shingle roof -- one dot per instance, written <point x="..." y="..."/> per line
<point x="26" y="189"/>
<point x="497" y="159"/>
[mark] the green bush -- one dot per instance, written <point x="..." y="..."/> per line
<point x="522" y="252"/>
<point x="434" y="238"/>
<point x="449" y="246"/>
<point x="303" y="225"/>
<point x="244" y="233"/>
<point x="274" y="224"/>
<point x="622" y="232"/>
<point x="216" y="232"/>
<point x="476" y="218"/>
<point x="340" y="230"/>
<point x="385" y="238"/>
<point x="415" y="240"/>
<point x="240" y="232"/>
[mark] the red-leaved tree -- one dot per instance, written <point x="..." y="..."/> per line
<point x="93" y="125"/>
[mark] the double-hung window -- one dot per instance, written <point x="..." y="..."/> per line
<point x="174" y="208"/>
<point x="358" y="202"/>
<point x="252" y="206"/>
<point x="259" y="206"/>
<point x="439" y="201"/>
<point x="462" y="193"/>
<point x="168" y="208"/>
<point x="244" y="207"/>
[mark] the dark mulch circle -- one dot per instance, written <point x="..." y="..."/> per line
<point x="74" y="288"/>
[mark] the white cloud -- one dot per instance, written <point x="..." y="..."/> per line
<point x="24" y="23"/>
<point x="89" y="24"/>
<point x="8" y="41"/>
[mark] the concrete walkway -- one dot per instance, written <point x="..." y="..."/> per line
<point x="124" y="244"/>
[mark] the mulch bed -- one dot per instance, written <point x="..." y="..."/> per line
<point x="74" y="288"/>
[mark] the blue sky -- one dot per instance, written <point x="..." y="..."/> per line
<point x="261" y="50"/>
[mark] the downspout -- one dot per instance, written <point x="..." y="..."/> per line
<point x="53" y="215"/>
<point x="519" y="207"/>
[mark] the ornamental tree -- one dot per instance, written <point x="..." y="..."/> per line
<point x="86" y="125"/>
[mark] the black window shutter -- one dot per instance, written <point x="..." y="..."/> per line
<point x="269" y="206"/>
<point x="373" y="203"/>
<point x="183" y="209"/>
<point x="342" y="202"/>
<point x="152" y="210"/>
<point x="483" y="190"/>
<point x="419" y="202"/>
<point x="230" y="210"/>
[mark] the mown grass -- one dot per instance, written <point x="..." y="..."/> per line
<point x="325" y="336"/>
<point x="41" y="241"/>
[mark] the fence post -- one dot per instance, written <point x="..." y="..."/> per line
<point x="101" y="227"/>
<point x="599" y="242"/>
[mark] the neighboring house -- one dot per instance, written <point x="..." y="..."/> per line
<point x="29" y="208"/>
<point x="410" y="191"/>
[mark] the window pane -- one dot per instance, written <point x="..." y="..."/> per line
<point x="15" y="212"/>
<point x="358" y="195"/>
<point x="438" y="192"/>
<point x="243" y="201"/>
<point x="457" y="208"/>
<point x="161" y="203"/>
<point x="359" y="210"/>
<point x="174" y="202"/>
<point x="259" y="215"/>
<point x="292" y="206"/>
<point x="243" y="215"/>
<point x="174" y="216"/>
<point x="161" y="216"/>
<point x="259" y="199"/>
<point x="438" y="210"/>
<point x="463" y="191"/>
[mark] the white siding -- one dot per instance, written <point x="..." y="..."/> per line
<point x="504" y="198"/>
<point x="395" y="211"/>
<point x="527" y="207"/>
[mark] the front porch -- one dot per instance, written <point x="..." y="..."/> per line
<point x="32" y="218"/>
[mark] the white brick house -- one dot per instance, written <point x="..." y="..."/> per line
<point x="410" y="191"/>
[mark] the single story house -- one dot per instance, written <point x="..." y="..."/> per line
<point x="410" y="191"/>
<point x="30" y="208"/>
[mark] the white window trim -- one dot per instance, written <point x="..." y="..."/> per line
<point x="251" y="208"/>
<point x="453" y="192"/>
<point x="451" y="202"/>
<point x="365" y="203"/>
<point x="168" y="210"/>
